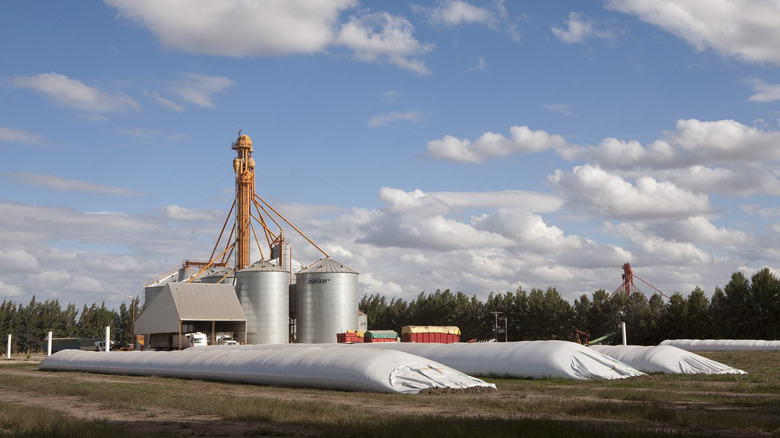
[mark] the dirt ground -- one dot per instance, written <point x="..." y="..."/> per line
<point x="170" y="421"/>
<point x="176" y="422"/>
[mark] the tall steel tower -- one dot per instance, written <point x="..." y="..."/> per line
<point x="244" y="166"/>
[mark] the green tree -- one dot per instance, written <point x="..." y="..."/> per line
<point x="738" y="302"/>
<point x="374" y="306"/>
<point x="765" y="305"/>
<point x="602" y="314"/>
<point x="674" y="319"/>
<point x="698" y="324"/>
<point x="640" y="326"/>
<point x="10" y="317"/>
<point x="94" y="320"/>
<point x="719" y="312"/>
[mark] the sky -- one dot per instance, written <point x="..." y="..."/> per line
<point x="476" y="146"/>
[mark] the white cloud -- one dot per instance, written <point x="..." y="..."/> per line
<point x="240" y="28"/>
<point x="58" y="183"/>
<point x="611" y="196"/>
<point x="559" y="108"/>
<point x="73" y="93"/>
<point x="95" y="118"/>
<point x="764" y="92"/>
<point x="528" y="230"/>
<point x="579" y="28"/>
<point x="740" y="180"/>
<point x="57" y="252"/>
<point x="457" y="12"/>
<point x="451" y="13"/>
<point x="490" y="144"/>
<point x="19" y="261"/>
<point x="276" y="28"/>
<point x="695" y="142"/>
<point x="166" y="103"/>
<point x="11" y="291"/>
<point x="391" y="95"/>
<point x="178" y="213"/>
<point x="200" y="89"/>
<point x="18" y="136"/>
<point x="657" y="250"/>
<point x="700" y="229"/>
<point x="745" y="29"/>
<point x="394" y="116"/>
<point x="518" y="200"/>
<point x="421" y="241"/>
<point x="382" y="36"/>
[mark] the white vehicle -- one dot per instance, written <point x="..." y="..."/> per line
<point x="197" y="339"/>
<point x="101" y="345"/>
<point x="225" y="338"/>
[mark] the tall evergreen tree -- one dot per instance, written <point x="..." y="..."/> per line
<point x="698" y="323"/>
<point x="765" y="305"/>
<point x="738" y="318"/>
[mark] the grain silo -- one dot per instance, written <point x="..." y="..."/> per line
<point x="327" y="301"/>
<point x="262" y="290"/>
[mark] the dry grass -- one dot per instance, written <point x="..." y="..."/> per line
<point x="655" y="405"/>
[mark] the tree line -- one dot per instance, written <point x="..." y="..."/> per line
<point x="743" y="309"/>
<point x="29" y="325"/>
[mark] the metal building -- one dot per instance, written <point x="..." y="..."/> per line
<point x="182" y="308"/>
<point x="262" y="290"/>
<point x="188" y="269"/>
<point x="326" y="301"/>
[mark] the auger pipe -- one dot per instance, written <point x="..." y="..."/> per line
<point x="293" y="226"/>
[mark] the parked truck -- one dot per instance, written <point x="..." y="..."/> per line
<point x="224" y="338"/>
<point x="171" y="341"/>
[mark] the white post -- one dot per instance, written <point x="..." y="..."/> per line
<point x="49" y="350"/>
<point x="107" y="345"/>
<point x="623" y="327"/>
<point x="8" y="351"/>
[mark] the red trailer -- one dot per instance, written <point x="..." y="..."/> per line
<point x="430" y="334"/>
<point x="350" y="336"/>
<point x="381" y="336"/>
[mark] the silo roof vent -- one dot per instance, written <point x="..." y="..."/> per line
<point x="327" y="265"/>
<point x="261" y="265"/>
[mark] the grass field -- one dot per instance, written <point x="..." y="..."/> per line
<point x="69" y="404"/>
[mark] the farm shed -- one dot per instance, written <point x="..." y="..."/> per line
<point x="192" y="307"/>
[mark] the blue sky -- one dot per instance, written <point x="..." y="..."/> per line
<point x="475" y="146"/>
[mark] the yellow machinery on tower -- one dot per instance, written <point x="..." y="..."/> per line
<point x="244" y="166"/>
<point x="246" y="199"/>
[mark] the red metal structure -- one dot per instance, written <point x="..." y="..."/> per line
<point x="628" y="285"/>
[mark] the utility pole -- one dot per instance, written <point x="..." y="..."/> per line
<point x="506" y="330"/>
<point x="495" y="329"/>
<point x="132" y="328"/>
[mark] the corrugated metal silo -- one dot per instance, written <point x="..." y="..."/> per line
<point x="219" y="275"/>
<point x="262" y="290"/>
<point x="327" y="301"/>
<point x="152" y="289"/>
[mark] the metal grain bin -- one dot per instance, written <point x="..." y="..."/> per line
<point x="326" y="301"/>
<point x="219" y="275"/>
<point x="262" y="290"/>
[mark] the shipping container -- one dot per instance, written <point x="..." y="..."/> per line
<point x="430" y="334"/>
